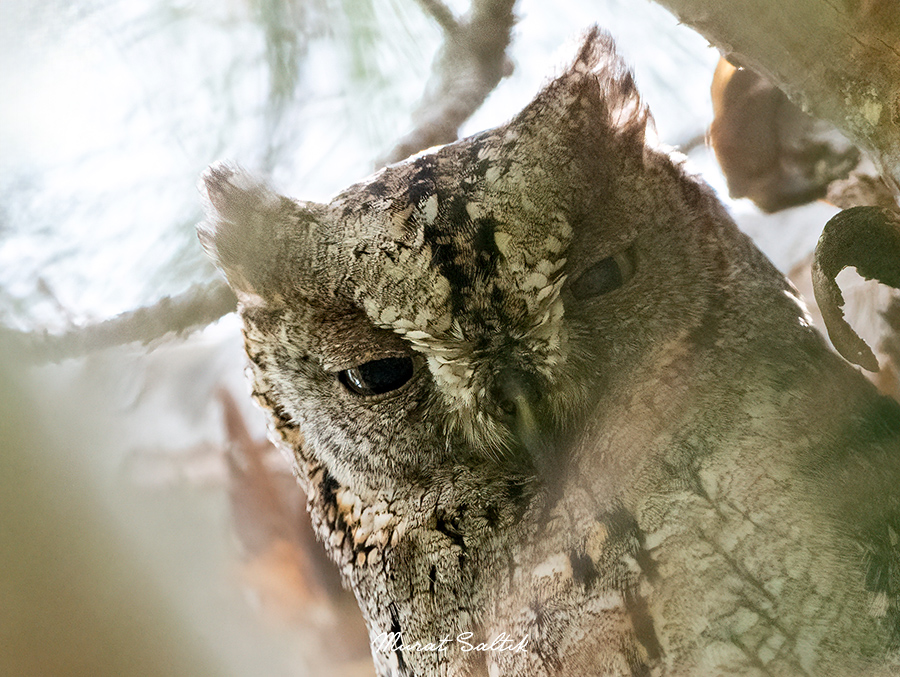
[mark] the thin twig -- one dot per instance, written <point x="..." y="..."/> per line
<point x="689" y="144"/>
<point x="469" y="65"/>
<point x="442" y="14"/>
<point x="189" y="311"/>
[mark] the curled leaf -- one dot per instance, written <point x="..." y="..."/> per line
<point x="867" y="238"/>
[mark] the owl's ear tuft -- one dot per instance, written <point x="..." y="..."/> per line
<point x="594" y="101"/>
<point x="238" y="233"/>
<point x="597" y="60"/>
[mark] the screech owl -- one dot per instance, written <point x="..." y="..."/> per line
<point x="542" y="393"/>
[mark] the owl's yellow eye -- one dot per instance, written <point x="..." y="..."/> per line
<point x="378" y="376"/>
<point x="604" y="276"/>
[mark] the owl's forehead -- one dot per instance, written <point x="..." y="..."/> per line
<point x="465" y="235"/>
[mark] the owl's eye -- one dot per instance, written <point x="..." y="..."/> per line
<point x="378" y="376"/>
<point x="604" y="276"/>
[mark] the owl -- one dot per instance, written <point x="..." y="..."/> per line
<point x="555" y="415"/>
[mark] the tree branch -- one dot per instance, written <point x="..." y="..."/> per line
<point x="194" y="309"/>
<point x="441" y="14"/>
<point x="839" y="61"/>
<point x="471" y="62"/>
<point x="469" y="65"/>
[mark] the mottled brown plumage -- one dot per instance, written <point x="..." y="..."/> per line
<point x="537" y="383"/>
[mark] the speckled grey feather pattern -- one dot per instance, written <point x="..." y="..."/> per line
<point x="667" y="474"/>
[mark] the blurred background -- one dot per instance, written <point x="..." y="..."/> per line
<point x="145" y="525"/>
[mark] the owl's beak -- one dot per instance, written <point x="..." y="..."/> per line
<point x="519" y="396"/>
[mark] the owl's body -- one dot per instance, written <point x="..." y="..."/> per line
<point x="537" y="383"/>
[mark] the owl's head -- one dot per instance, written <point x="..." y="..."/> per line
<point x="482" y="301"/>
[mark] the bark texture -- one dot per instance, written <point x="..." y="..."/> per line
<point x="838" y="59"/>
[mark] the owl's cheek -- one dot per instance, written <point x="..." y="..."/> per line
<point x="370" y="444"/>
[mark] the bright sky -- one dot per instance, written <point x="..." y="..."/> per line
<point x="111" y="114"/>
